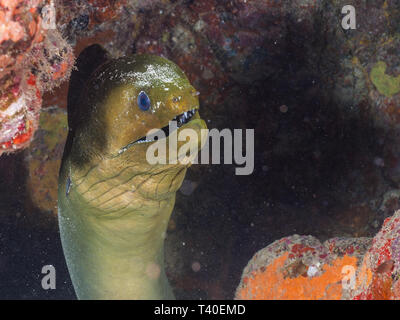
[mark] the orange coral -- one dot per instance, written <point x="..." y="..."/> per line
<point x="396" y="290"/>
<point x="282" y="270"/>
<point x="381" y="288"/>
<point x="270" y="282"/>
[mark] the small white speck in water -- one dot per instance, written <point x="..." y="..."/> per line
<point x="196" y="266"/>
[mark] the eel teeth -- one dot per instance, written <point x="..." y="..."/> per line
<point x="180" y="120"/>
<point x="184" y="117"/>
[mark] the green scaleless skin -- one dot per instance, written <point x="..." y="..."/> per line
<point x="114" y="206"/>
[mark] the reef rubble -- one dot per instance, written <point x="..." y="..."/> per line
<point x="303" y="268"/>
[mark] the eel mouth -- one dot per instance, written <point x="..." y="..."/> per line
<point x="180" y="119"/>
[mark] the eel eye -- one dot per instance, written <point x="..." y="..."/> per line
<point x="143" y="101"/>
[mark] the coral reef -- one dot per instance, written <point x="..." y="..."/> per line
<point x="224" y="46"/>
<point x="300" y="267"/>
<point x="43" y="159"/>
<point x="387" y="85"/>
<point x="33" y="58"/>
<point x="324" y="103"/>
<point x="382" y="261"/>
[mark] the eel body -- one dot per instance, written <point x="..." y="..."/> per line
<point x="114" y="206"/>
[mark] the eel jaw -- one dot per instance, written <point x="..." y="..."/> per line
<point x="181" y="120"/>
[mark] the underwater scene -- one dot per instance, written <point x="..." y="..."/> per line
<point x="200" y="149"/>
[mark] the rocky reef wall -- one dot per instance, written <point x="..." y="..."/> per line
<point x="324" y="103"/>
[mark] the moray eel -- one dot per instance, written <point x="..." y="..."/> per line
<point x="113" y="205"/>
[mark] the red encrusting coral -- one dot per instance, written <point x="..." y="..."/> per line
<point x="33" y="58"/>
<point x="383" y="261"/>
